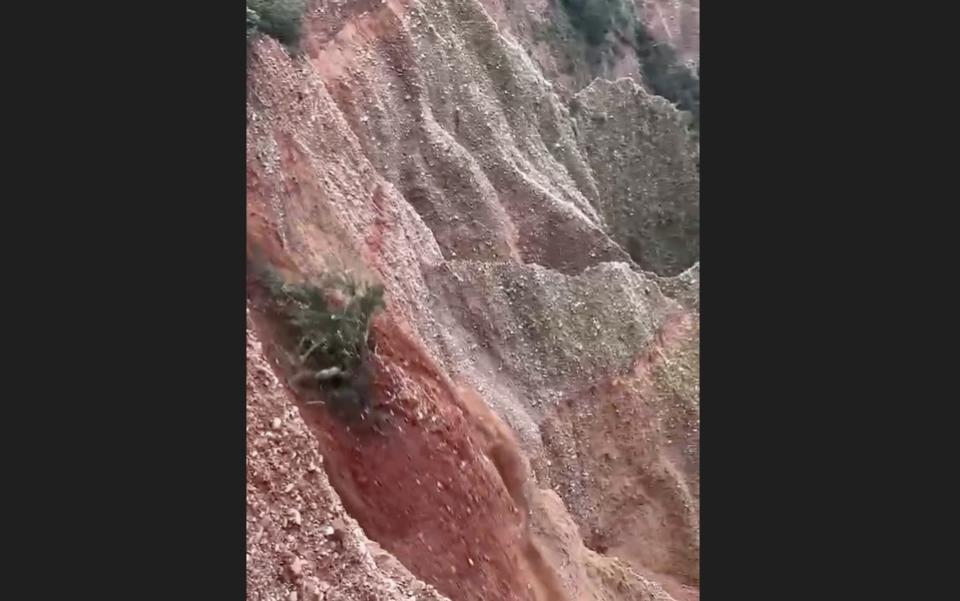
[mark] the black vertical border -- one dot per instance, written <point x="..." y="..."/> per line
<point x="138" y="129"/>
<point x="813" y="175"/>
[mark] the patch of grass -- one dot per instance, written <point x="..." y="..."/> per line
<point x="280" y="19"/>
<point x="327" y="329"/>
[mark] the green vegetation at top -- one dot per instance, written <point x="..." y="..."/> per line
<point x="280" y="19"/>
<point x="596" y="18"/>
<point x="666" y="74"/>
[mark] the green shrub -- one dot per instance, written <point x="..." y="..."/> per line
<point x="667" y="75"/>
<point x="596" y="18"/>
<point x="327" y="328"/>
<point x="253" y="23"/>
<point x="663" y="70"/>
<point x="280" y="19"/>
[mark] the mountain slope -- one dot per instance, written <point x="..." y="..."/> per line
<point x="535" y="258"/>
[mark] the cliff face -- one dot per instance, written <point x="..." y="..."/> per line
<point x="674" y="22"/>
<point x="300" y="539"/>
<point x="536" y="366"/>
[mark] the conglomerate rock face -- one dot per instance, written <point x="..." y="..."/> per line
<point x="537" y="363"/>
<point x="301" y="543"/>
<point x="646" y="172"/>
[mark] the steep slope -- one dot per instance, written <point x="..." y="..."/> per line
<point x="646" y="174"/>
<point x="301" y="544"/>
<point x="416" y="144"/>
<point x="675" y="22"/>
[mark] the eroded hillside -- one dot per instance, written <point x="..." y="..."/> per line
<point x="536" y="366"/>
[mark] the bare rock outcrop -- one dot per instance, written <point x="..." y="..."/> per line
<point x="537" y="362"/>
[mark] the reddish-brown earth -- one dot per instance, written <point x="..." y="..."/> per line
<point x="536" y="389"/>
